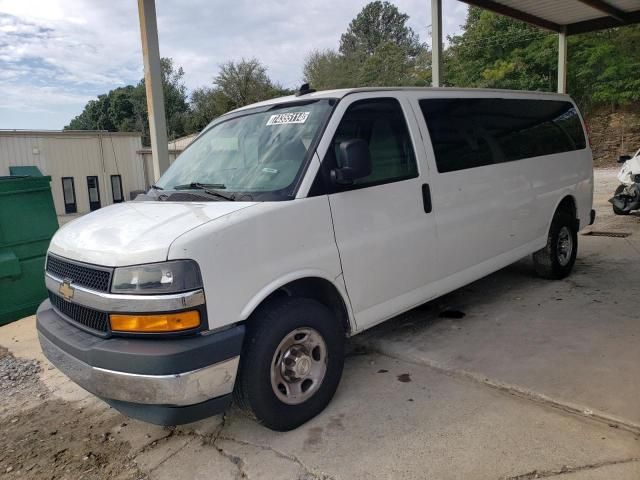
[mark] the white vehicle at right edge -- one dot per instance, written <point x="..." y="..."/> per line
<point x="292" y="224"/>
<point x="627" y="196"/>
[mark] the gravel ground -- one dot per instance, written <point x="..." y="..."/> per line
<point x="80" y="445"/>
<point x="18" y="381"/>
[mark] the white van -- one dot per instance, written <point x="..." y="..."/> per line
<point x="291" y="224"/>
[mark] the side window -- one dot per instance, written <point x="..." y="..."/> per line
<point x="381" y="123"/>
<point x="538" y="127"/>
<point x="459" y="137"/>
<point x="468" y="133"/>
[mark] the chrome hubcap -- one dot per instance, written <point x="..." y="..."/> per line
<point x="565" y="246"/>
<point x="298" y="366"/>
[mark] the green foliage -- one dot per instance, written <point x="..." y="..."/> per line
<point x="379" y="23"/>
<point x="328" y="69"/>
<point x="499" y="52"/>
<point x="206" y="104"/>
<point x="124" y="109"/>
<point x="245" y="82"/>
<point x="378" y="49"/>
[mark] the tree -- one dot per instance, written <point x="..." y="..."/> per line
<point x="124" y="109"/>
<point x="113" y="111"/>
<point x="378" y="49"/>
<point x="175" y="102"/>
<point x="500" y="52"/>
<point x="377" y="24"/>
<point x="328" y="69"/>
<point x="387" y="66"/>
<point x="245" y="82"/>
<point x="206" y="104"/>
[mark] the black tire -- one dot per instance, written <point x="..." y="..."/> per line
<point x="616" y="210"/>
<point x="267" y="328"/>
<point x="554" y="261"/>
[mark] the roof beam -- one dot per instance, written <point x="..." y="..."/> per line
<point x="602" y="23"/>
<point x="607" y="9"/>
<point x="514" y="13"/>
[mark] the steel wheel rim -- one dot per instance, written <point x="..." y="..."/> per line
<point x="298" y="366"/>
<point x="565" y="246"/>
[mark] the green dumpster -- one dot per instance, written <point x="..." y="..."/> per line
<point x="27" y="223"/>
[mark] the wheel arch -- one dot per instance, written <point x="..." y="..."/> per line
<point x="308" y="285"/>
<point x="566" y="203"/>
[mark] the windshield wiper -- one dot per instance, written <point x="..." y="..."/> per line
<point x="207" y="188"/>
<point x="200" y="186"/>
<point x="156" y="187"/>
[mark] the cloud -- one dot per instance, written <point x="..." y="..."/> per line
<point x="56" y="54"/>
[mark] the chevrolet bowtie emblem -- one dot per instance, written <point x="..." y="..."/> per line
<point x="66" y="290"/>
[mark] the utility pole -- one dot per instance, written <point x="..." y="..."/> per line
<point x="153" y="84"/>
<point x="436" y="43"/>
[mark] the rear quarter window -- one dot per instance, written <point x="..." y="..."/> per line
<point x="469" y="133"/>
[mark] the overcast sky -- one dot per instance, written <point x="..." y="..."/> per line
<point x="55" y="55"/>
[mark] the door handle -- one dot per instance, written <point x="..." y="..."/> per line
<point x="426" y="198"/>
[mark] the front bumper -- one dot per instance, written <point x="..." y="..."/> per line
<point x="162" y="381"/>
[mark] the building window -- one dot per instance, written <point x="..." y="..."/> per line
<point x="94" y="193"/>
<point x="116" y="188"/>
<point x="69" y="194"/>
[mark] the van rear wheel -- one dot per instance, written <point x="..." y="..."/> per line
<point x="291" y="364"/>
<point x="555" y="261"/>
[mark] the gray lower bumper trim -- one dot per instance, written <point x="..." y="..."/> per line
<point x="180" y="389"/>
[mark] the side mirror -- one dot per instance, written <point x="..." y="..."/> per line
<point x="355" y="160"/>
<point x="624" y="158"/>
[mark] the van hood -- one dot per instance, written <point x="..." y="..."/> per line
<point x="134" y="232"/>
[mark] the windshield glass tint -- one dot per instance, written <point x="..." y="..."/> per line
<point x="254" y="154"/>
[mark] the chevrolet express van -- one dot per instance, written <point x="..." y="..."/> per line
<point x="291" y="224"/>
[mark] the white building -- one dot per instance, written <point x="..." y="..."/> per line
<point x="88" y="169"/>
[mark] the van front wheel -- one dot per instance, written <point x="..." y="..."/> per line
<point x="556" y="259"/>
<point x="291" y="364"/>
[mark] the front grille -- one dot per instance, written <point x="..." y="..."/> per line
<point x="88" y="317"/>
<point x="94" y="278"/>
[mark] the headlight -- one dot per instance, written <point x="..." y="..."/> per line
<point x="156" y="278"/>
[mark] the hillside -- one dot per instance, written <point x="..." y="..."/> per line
<point x="614" y="132"/>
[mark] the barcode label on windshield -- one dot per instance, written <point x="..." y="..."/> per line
<point x="285" y="118"/>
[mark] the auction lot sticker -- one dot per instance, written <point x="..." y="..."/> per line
<point x="285" y="118"/>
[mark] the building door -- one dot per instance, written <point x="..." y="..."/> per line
<point x="69" y="194"/>
<point x="94" y="193"/>
<point x="116" y="188"/>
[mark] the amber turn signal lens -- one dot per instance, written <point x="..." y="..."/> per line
<point x="167" y="322"/>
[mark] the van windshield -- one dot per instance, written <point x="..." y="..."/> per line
<point x="259" y="155"/>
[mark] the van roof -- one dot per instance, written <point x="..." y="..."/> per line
<point x="340" y="93"/>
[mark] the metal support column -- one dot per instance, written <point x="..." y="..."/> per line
<point x="153" y="84"/>
<point x="562" y="62"/>
<point x="436" y="43"/>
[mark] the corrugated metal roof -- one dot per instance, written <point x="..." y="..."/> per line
<point x="574" y="16"/>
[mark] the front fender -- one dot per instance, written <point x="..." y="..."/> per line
<point x="273" y="286"/>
